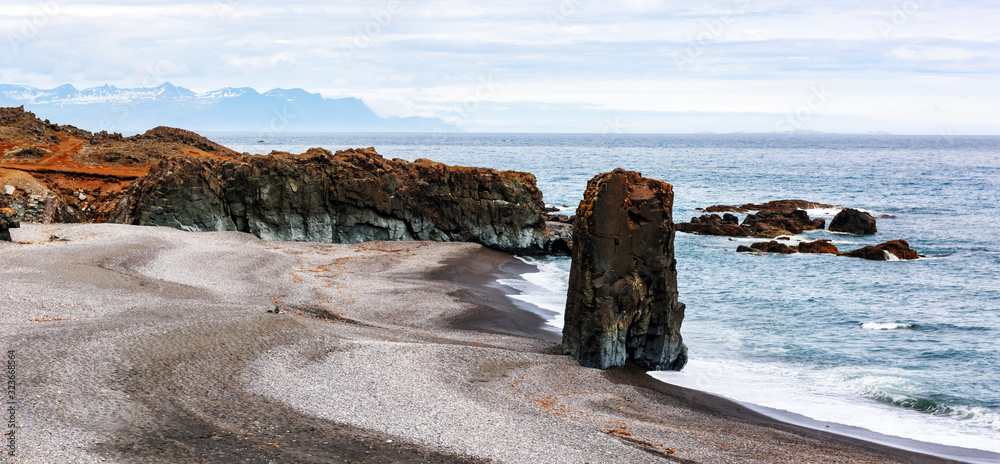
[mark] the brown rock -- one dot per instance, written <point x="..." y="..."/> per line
<point x="776" y="205"/>
<point x="898" y="248"/>
<point x="725" y="230"/>
<point x="622" y="300"/>
<point x="793" y="221"/>
<point x="725" y="209"/>
<point x="773" y="247"/>
<point x="786" y="205"/>
<point x="744" y="249"/>
<point x="819" y="246"/>
<point x="780" y="234"/>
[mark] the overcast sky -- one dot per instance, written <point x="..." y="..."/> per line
<point x="910" y="66"/>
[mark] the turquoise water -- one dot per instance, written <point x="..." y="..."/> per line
<point x="908" y="349"/>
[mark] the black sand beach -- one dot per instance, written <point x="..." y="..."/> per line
<point x="139" y="344"/>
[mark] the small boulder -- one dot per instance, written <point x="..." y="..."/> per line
<point x="853" y="221"/>
<point x="744" y="249"/>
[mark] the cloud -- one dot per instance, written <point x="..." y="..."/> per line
<point x="263" y="62"/>
<point x="625" y="57"/>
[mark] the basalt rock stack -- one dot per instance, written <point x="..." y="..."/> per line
<point x="622" y="300"/>
<point x="348" y="197"/>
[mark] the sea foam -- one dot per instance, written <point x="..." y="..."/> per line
<point x="885" y="326"/>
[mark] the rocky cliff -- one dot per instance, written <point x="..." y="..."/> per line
<point x="622" y="300"/>
<point x="177" y="178"/>
<point x="348" y="197"/>
<point x="57" y="173"/>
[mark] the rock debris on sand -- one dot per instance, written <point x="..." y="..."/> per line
<point x="144" y="344"/>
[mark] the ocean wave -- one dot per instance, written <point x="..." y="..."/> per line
<point x="886" y="389"/>
<point x="976" y="416"/>
<point x="886" y="326"/>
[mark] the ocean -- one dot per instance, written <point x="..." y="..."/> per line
<point x="907" y="349"/>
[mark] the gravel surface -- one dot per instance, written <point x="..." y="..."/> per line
<point x="142" y="344"/>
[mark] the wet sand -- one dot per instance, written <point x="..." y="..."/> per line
<point x="140" y="344"/>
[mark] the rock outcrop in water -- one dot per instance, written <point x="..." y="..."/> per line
<point x="8" y="220"/>
<point x="622" y="300"/>
<point x="853" y="221"/>
<point x="816" y="247"/>
<point x="899" y="249"/>
<point x="765" y="223"/>
<point x="348" y="197"/>
<point x="774" y="205"/>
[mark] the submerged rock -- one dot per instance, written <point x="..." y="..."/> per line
<point x="8" y="220"/>
<point x="853" y="221"/>
<point x="622" y="300"/>
<point x="881" y="252"/>
<point x="348" y="197"/>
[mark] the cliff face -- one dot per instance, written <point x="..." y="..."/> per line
<point x="622" y="301"/>
<point x="347" y="197"/>
<point x="176" y="178"/>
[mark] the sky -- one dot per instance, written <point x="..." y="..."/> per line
<point x="621" y="66"/>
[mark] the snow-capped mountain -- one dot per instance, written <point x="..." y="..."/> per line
<point x="228" y="109"/>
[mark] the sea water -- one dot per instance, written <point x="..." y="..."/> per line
<point x="903" y="348"/>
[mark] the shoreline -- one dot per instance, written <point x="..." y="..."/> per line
<point x="911" y="450"/>
<point x="145" y="343"/>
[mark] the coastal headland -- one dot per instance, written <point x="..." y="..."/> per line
<point x="137" y="343"/>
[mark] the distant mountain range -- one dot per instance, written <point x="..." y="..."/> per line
<point x="229" y="109"/>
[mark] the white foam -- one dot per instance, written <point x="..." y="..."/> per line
<point x="889" y="256"/>
<point x="546" y="288"/>
<point x="830" y="212"/>
<point x="885" y="326"/>
<point x="838" y="395"/>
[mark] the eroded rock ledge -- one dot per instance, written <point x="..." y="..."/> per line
<point x="347" y="197"/>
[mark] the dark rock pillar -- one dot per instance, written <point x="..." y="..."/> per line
<point x="622" y="301"/>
